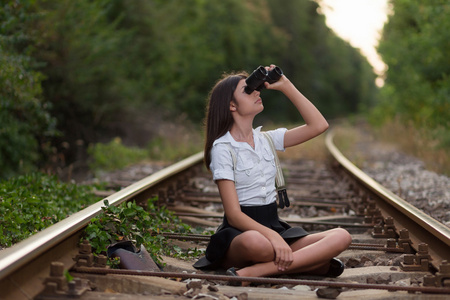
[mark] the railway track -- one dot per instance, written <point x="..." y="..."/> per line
<point x="397" y="250"/>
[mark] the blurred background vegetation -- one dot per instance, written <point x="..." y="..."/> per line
<point x="75" y="74"/>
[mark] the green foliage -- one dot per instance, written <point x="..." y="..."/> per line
<point x="114" y="155"/>
<point x="103" y="56"/>
<point x="83" y="52"/>
<point x="415" y="45"/>
<point x="97" y="63"/>
<point x="131" y="222"/>
<point x="326" y="69"/>
<point x="67" y="275"/>
<point x="26" y="124"/>
<point x="32" y="202"/>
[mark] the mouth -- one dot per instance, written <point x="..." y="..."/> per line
<point x="259" y="100"/>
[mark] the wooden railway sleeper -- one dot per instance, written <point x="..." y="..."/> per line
<point x="390" y="246"/>
<point x="162" y="197"/>
<point x="171" y="195"/>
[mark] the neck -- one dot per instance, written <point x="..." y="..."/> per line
<point x="242" y="129"/>
<point x="242" y="132"/>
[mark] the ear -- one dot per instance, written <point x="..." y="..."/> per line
<point x="232" y="106"/>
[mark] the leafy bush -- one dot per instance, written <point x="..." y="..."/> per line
<point x="26" y="124"/>
<point x="84" y="67"/>
<point x="131" y="222"/>
<point x="415" y="45"/>
<point x="30" y="203"/>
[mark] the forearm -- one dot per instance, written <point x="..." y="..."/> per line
<point x="315" y="122"/>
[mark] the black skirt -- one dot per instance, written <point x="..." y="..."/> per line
<point x="266" y="215"/>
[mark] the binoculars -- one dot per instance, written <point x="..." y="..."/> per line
<point x="256" y="80"/>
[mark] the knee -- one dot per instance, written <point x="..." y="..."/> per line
<point x="343" y="238"/>
<point x="258" y="246"/>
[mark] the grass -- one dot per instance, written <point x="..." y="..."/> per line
<point x="311" y="150"/>
<point x="425" y="145"/>
<point x="170" y="148"/>
<point x="432" y="147"/>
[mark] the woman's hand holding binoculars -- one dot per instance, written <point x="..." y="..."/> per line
<point x="256" y="80"/>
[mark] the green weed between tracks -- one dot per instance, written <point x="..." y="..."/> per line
<point x="131" y="222"/>
<point x="31" y="203"/>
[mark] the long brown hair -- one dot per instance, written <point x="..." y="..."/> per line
<point x="218" y="115"/>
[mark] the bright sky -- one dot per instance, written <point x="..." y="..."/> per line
<point x="360" y="23"/>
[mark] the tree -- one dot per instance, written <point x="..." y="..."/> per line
<point x="334" y="75"/>
<point x="26" y="124"/>
<point x="90" y="67"/>
<point x="415" y="45"/>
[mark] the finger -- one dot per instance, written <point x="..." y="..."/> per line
<point x="287" y="259"/>
<point x="283" y="261"/>
<point x="277" y="257"/>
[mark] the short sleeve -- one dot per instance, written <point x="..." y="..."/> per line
<point x="221" y="163"/>
<point x="278" y="138"/>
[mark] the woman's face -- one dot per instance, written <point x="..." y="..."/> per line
<point x="247" y="104"/>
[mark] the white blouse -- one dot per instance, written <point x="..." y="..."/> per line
<point x="255" y="172"/>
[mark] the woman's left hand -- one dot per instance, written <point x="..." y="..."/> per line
<point x="276" y="85"/>
<point x="283" y="253"/>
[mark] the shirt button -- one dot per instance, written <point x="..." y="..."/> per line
<point x="263" y="188"/>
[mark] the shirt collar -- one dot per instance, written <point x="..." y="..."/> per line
<point x="227" y="138"/>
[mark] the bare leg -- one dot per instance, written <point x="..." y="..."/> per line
<point x="248" y="248"/>
<point x="311" y="254"/>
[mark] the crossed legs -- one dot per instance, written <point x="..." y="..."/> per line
<point x="254" y="254"/>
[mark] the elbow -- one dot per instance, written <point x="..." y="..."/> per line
<point x="325" y="126"/>
<point x="232" y="221"/>
<point x="322" y="127"/>
<point x="235" y="219"/>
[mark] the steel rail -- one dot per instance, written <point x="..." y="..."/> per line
<point x="422" y="227"/>
<point x="265" y="280"/>
<point x="19" y="255"/>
